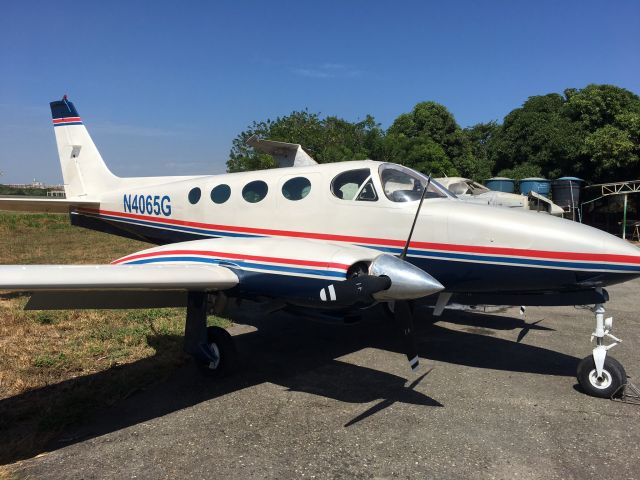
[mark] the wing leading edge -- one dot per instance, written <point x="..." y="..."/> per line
<point x="113" y="286"/>
<point x="116" y="277"/>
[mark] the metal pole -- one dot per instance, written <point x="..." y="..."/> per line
<point x="624" y="218"/>
<point x="573" y="205"/>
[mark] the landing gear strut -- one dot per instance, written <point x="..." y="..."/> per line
<point x="212" y="347"/>
<point x="601" y="375"/>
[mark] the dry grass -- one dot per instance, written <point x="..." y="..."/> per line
<point x="57" y="368"/>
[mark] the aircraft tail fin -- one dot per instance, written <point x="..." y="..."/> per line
<point x="83" y="170"/>
<point x="285" y="154"/>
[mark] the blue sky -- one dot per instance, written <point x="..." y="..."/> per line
<point x="165" y="86"/>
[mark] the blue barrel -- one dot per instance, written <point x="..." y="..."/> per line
<point x="500" y="184"/>
<point x="566" y="191"/>
<point x="538" y="185"/>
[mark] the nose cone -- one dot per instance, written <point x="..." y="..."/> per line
<point x="618" y="246"/>
<point x="624" y="261"/>
<point x="407" y="281"/>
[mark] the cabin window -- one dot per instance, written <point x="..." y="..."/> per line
<point x="401" y="184"/>
<point x="354" y="185"/>
<point x="221" y="193"/>
<point x="194" y="195"/>
<point x="296" y="188"/>
<point x="255" y="191"/>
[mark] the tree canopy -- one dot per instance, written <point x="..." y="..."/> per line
<point x="593" y="133"/>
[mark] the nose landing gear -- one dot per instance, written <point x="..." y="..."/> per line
<point x="601" y="375"/>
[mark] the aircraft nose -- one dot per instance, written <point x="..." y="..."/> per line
<point x="407" y="281"/>
<point x="618" y="246"/>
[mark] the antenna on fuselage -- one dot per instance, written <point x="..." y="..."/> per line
<point x="403" y="255"/>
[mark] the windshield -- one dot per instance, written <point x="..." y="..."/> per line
<point x="401" y="184"/>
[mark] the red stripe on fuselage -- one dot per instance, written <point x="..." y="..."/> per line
<point x="235" y="256"/>
<point x="515" y="252"/>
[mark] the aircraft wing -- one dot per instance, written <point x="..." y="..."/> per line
<point x="113" y="286"/>
<point x="43" y="204"/>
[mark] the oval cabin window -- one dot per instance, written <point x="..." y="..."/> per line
<point x="296" y="188"/>
<point x="194" y="195"/>
<point x="221" y="193"/>
<point x="255" y="191"/>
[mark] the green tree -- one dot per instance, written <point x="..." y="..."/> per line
<point x="612" y="152"/>
<point x="593" y="133"/>
<point x="430" y="140"/>
<point x="538" y="133"/>
<point x="329" y="139"/>
<point x="479" y="138"/>
<point x="598" y="105"/>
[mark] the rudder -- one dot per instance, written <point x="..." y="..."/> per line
<point x="83" y="171"/>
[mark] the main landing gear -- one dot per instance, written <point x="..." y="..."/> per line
<point x="601" y="375"/>
<point x="212" y="347"/>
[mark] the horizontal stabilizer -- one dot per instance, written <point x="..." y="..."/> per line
<point x="44" y="204"/>
<point x="286" y="154"/>
<point x="116" y="277"/>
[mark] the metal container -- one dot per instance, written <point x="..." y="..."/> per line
<point x="500" y="184"/>
<point x="566" y="191"/>
<point x="538" y="185"/>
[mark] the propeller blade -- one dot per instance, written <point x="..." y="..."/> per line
<point x="355" y="290"/>
<point x="404" y="319"/>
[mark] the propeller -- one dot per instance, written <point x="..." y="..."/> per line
<point x="404" y="319"/>
<point x="389" y="278"/>
<point x="403" y="312"/>
<point x="359" y="289"/>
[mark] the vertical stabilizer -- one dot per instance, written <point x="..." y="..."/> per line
<point x="83" y="170"/>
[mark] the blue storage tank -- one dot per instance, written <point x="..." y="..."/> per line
<point x="538" y="185"/>
<point x="500" y="184"/>
<point x="566" y="191"/>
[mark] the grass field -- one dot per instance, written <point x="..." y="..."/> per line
<point x="58" y="368"/>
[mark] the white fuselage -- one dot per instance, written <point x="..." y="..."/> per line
<point x="462" y="244"/>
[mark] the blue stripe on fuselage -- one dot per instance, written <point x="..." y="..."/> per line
<point x="569" y="265"/>
<point x="239" y="264"/>
<point x="200" y="231"/>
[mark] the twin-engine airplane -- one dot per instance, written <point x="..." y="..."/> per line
<point x="316" y="238"/>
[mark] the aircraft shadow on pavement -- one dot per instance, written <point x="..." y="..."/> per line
<point x="295" y="354"/>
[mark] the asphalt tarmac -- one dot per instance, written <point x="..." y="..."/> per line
<point x="496" y="397"/>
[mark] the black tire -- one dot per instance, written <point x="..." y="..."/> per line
<point x="613" y="377"/>
<point x="220" y="341"/>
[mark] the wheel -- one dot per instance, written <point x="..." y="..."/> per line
<point x="222" y="347"/>
<point x="613" y="377"/>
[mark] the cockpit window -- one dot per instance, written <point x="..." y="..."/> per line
<point x="368" y="192"/>
<point x="401" y="184"/>
<point x="354" y="185"/>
